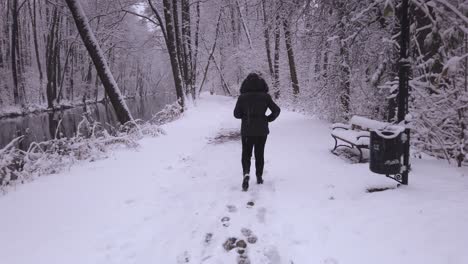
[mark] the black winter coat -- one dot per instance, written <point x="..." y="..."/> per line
<point x="252" y="105"/>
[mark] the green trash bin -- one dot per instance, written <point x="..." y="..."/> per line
<point x="386" y="150"/>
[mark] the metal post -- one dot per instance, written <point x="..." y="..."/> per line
<point x="403" y="69"/>
<point x="406" y="147"/>
<point x="403" y="75"/>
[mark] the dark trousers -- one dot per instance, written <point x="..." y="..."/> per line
<point x="248" y="144"/>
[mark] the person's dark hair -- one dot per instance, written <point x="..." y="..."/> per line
<point x="254" y="83"/>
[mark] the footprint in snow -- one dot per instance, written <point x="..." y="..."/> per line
<point x="225" y="221"/>
<point x="208" y="238"/>
<point x="241" y="244"/>
<point x="246" y="232"/>
<point x="243" y="259"/>
<point x="183" y="258"/>
<point x="231" y="208"/>
<point x="230" y="244"/>
<point x="251" y="238"/>
<point x="185" y="158"/>
<point x="241" y="251"/>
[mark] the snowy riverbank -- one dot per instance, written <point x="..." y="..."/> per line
<point x="164" y="203"/>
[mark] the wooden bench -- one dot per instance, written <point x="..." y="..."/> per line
<point x="355" y="134"/>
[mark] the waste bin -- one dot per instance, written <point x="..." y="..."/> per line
<point x="386" y="150"/>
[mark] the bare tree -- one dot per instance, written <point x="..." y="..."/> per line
<point x="171" y="44"/>
<point x="187" y="47"/>
<point x="96" y="54"/>
<point x="292" y="62"/>
<point x="277" y="57"/>
<point x="266" y="34"/>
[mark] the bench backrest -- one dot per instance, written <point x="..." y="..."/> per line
<point x="363" y="123"/>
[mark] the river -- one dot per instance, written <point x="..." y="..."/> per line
<point x="42" y="126"/>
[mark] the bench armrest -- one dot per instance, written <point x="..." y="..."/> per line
<point x="362" y="134"/>
<point x="341" y="126"/>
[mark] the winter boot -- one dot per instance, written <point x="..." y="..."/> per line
<point x="245" y="182"/>
<point x="259" y="180"/>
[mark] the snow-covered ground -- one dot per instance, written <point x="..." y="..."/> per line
<point x="165" y="203"/>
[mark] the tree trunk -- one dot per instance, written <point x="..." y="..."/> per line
<point x="50" y="60"/>
<point x="213" y="48"/>
<point x="172" y="49"/>
<point x="65" y="67"/>
<point x="6" y="35"/>
<point x="57" y="58"/>
<point x="224" y="84"/>
<point x="178" y="41"/>
<point x="266" y="34"/>
<point x="244" y="25"/>
<point x="277" y="57"/>
<point x="71" y="92"/>
<point x="195" y="55"/>
<point x="187" y="46"/>
<point x="96" y="54"/>
<point x="345" y="80"/>
<point x="292" y="62"/>
<point x="32" y="13"/>
<point x="89" y="79"/>
<point x="14" y="48"/>
<point x="345" y="83"/>
<point x="1" y="53"/>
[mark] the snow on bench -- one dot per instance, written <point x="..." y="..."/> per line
<point x="356" y="133"/>
<point x="364" y="123"/>
<point x="357" y="138"/>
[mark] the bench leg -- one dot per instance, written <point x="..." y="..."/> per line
<point x="336" y="143"/>
<point x="351" y="147"/>
<point x="360" y="154"/>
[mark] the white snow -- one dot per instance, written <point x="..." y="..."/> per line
<point x="390" y="132"/>
<point x="452" y="64"/>
<point x="157" y="204"/>
<point x="341" y="125"/>
<point x="367" y="123"/>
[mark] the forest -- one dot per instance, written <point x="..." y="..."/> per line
<point x="331" y="59"/>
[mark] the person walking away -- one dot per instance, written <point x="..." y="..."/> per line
<point x="251" y="107"/>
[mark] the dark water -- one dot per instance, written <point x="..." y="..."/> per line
<point x="43" y="126"/>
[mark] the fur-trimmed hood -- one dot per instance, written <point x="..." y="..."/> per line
<point x="254" y="83"/>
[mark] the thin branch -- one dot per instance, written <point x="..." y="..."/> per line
<point x="158" y="17"/>
<point x="141" y="16"/>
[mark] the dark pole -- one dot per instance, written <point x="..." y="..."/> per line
<point x="403" y="70"/>
<point x="403" y="75"/>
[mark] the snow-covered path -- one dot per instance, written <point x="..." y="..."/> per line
<point x="177" y="200"/>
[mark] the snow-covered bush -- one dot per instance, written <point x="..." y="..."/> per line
<point x="91" y="142"/>
<point x="169" y="113"/>
<point x="10" y="162"/>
